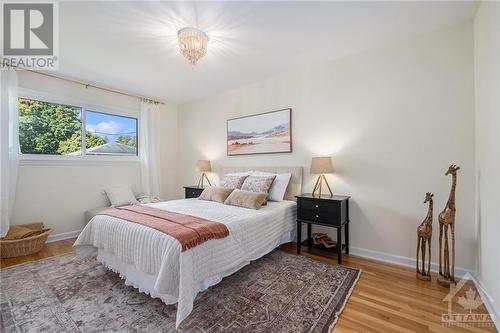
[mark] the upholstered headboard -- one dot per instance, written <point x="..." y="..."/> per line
<point x="294" y="186"/>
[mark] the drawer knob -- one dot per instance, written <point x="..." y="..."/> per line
<point x="317" y="206"/>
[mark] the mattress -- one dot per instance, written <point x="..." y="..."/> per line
<point x="153" y="262"/>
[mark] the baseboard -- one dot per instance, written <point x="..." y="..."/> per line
<point x="62" y="236"/>
<point x="400" y="260"/>
<point x="487" y="300"/>
<point x="459" y="273"/>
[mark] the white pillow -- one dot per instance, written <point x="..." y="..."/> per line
<point x="278" y="188"/>
<point x="120" y="196"/>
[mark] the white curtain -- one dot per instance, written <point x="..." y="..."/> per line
<point x="9" y="146"/>
<point x="149" y="147"/>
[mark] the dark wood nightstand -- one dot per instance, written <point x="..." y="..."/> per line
<point x="326" y="211"/>
<point x="193" y="191"/>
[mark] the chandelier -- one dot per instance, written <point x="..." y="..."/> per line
<point x="193" y="44"/>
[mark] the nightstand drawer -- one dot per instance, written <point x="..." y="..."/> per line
<point x="327" y="206"/>
<point x="319" y="216"/>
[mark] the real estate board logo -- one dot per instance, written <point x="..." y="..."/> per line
<point x="30" y="35"/>
<point x="473" y="314"/>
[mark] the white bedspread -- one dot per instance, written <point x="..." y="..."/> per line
<point x="153" y="262"/>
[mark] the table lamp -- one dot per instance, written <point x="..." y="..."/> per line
<point x="203" y="166"/>
<point x="321" y="165"/>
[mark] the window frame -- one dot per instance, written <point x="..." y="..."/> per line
<point x="84" y="138"/>
<point x="46" y="159"/>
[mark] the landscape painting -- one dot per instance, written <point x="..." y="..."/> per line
<point x="263" y="133"/>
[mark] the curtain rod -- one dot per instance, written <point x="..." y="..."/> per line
<point x="86" y="85"/>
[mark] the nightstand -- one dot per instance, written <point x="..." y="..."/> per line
<point x="193" y="191"/>
<point x="326" y="211"/>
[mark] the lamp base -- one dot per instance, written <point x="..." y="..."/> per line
<point x="319" y="185"/>
<point x="202" y="179"/>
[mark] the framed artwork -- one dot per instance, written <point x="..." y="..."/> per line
<point x="263" y="133"/>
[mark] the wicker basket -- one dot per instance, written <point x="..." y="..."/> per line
<point x="23" y="246"/>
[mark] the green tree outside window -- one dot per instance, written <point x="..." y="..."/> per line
<point x="54" y="129"/>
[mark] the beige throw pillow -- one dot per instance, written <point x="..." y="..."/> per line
<point x="215" y="193"/>
<point x="233" y="181"/>
<point x="246" y="199"/>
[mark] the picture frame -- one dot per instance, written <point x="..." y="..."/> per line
<point x="261" y="133"/>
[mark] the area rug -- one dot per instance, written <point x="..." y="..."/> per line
<point x="280" y="292"/>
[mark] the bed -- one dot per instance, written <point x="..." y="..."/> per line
<point x="153" y="262"/>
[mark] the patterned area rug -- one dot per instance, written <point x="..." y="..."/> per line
<point x="280" y="292"/>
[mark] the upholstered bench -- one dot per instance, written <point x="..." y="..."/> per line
<point x="89" y="214"/>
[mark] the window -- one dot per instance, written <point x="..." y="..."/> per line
<point x="56" y="129"/>
<point x="109" y="134"/>
<point x="49" y="128"/>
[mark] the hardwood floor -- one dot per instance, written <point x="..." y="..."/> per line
<point x="387" y="298"/>
<point x="50" y="249"/>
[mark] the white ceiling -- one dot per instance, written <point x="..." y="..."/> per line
<point x="131" y="46"/>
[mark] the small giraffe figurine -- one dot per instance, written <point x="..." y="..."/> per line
<point x="424" y="235"/>
<point x="447" y="220"/>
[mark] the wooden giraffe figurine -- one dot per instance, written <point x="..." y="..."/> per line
<point x="424" y="235"/>
<point x="447" y="221"/>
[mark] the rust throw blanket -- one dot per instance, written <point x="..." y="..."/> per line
<point x="189" y="230"/>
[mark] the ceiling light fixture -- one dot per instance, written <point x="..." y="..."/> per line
<point x="192" y="43"/>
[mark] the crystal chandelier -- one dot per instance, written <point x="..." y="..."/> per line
<point x="193" y="44"/>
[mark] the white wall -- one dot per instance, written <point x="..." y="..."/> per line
<point x="393" y="119"/>
<point x="58" y="193"/>
<point x="487" y="84"/>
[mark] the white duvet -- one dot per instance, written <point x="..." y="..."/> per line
<point x="153" y="262"/>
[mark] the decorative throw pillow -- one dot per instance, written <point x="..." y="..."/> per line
<point x="246" y="199"/>
<point x="279" y="186"/>
<point x="120" y="196"/>
<point x="258" y="183"/>
<point x="233" y="181"/>
<point x="215" y="193"/>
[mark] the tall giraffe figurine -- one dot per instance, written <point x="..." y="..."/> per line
<point x="424" y="235"/>
<point x="447" y="220"/>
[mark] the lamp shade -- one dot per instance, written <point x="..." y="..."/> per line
<point x="204" y="165"/>
<point x="321" y="165"/>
